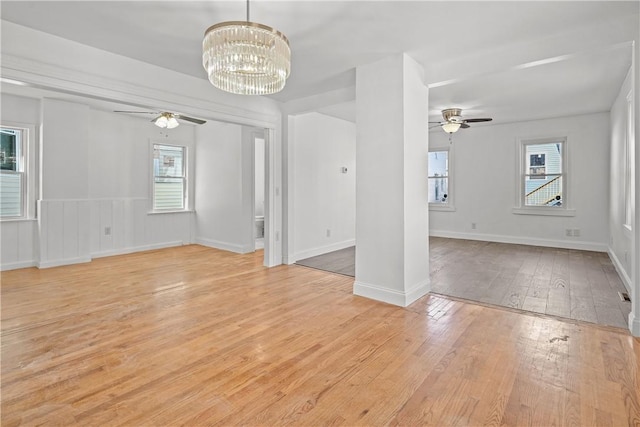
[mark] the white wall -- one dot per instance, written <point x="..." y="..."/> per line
<point x="621" y="236"/>
<point x="486" y="168"/>
<point x="120" y="185"/>
<point x="324" y="197"/>
<point x="223" y="196"/>
<point x="95" y="176"/>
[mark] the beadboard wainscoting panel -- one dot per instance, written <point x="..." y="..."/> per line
<point x="64" y="232"/>
<point x="17" y="249"/>
<point x="125" y="225"/>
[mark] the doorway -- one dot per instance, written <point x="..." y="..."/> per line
<point x="259" y="190"/>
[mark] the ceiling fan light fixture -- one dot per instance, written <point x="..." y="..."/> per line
<point x="166" y="120"/>
<point x="246" y="58"/>
<point x="162" y="121"/>
<point x="451" y="127"/>
<point x="172" y="122"/>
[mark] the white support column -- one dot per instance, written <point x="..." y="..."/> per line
<point x="392" y="232"/>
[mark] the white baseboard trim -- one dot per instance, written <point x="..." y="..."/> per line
<point x="322" y="250"/>
<point x="626" y="280"/>
<point x="391" y="296"/>
<point x="225" y="246"/>
<point x="532" y="241"/>
<point x="286" y="260"/>
<point x="17" y="265"/>
<point x="634" y="325"/>
<point x="130" y="250"/>
<point x="61" y="262"/>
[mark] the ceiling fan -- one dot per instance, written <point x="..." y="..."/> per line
<point x="453" y="120"/>
<point x="166" y="119"/>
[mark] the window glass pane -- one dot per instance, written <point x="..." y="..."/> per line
<point x="544" y="159"/>
<point x="11" y="173"/>
<point x="546" y="190"/>
<point x="168" y="193"/>
<point x="438" y="190"/>
<point x="438" y="163"/>
<point x="543" y="174"/>
<point x="10" y="194"/>
<point x="438" y="176"/>
<point x="168" y="160"/>
<point x="10" y="144"/>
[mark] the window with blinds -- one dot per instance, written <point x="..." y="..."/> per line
<point x="12" y="173"/>
<point x="169" y="177"/>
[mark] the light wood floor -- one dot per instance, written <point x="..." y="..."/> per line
<point x="197" y="336"/>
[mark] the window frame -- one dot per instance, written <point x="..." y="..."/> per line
<point x="521" y="207"/>
<point x="185" y="177"/>
<point x="629" y="154"/>
<point x="449" y="205"/>
<point x="28" y="166"/>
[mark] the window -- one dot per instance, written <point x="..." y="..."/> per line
<point x="169" y="177"/>
<point x="543" y="177"/>
<point x="440" y="179"/>
<point x="13" y="186"/>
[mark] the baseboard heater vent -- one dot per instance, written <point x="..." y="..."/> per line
<point x="624" y="296"/>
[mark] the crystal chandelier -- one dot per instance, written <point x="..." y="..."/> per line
<point x="246" y="58"/>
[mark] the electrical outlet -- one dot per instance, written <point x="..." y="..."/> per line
<point x="473" y="225"/>
<point x="568" y="232"/>
<point x="277" y="236"/>
<point x="107" y="231"/>
<point x="328" y="232"/>
<point x="576" y="232"/>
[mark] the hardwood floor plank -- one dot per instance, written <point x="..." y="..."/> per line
<point x="196" y="336"/>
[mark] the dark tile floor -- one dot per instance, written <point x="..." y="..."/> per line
<point x="574" y="284"/>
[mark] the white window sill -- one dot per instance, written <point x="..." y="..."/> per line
<point x="17" y="219"/>
<point x="170" y="211"/>
<point x="544" y="211"/>
<point x="441" y="207"/>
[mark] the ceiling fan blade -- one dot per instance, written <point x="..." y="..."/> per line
<point x="190" y="119"/>
<point x="135" y="112"/>
<point x="484" y="119"/>
<point x="433" y="127"/>
<point x="436" y="122"/>
<point x="156" y="118"/>
<point x="464" y="126"/>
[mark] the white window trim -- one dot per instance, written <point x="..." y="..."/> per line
<point x="187" y="184"/>
<point x="629" y="154"/>
<point x="521" y="208"/>
<point x="29" y="190"/>
<point x="449" y="206"/>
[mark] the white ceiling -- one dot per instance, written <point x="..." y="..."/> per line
<point x="511" y="61"/>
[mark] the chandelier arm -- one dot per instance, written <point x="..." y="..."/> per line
<point x="248" y="20"/>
